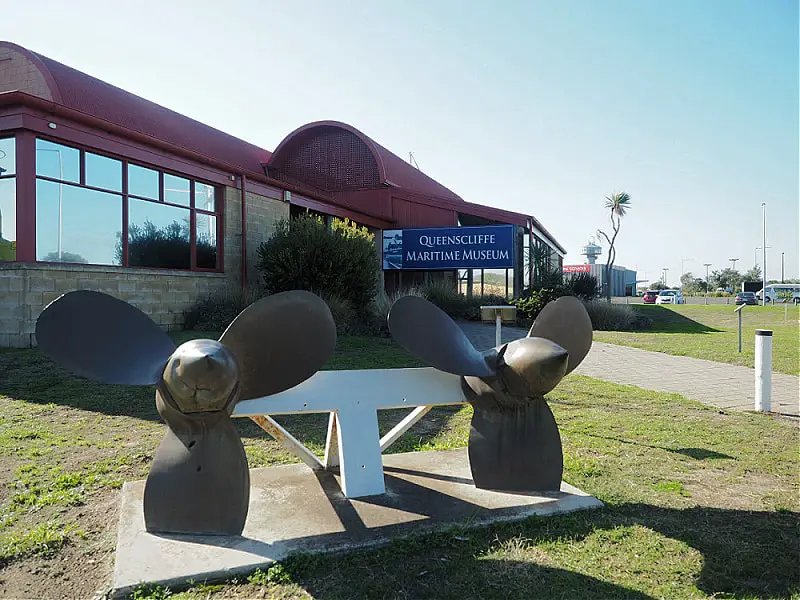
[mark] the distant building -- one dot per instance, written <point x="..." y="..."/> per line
<point x="623" y="280"/>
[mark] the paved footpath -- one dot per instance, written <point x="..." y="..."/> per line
<point x="730" y="387"/>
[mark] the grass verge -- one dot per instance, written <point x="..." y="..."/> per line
<point x="699" y="502"/>
<point x="711" y="332"/>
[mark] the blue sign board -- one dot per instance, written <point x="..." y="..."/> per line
<point x="489" y="247"/>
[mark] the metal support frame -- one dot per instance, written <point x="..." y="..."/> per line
<point x="353" y="398"/>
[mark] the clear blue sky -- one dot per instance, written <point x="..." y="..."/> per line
<point x="541" y="107"/>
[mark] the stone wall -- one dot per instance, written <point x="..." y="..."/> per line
<point x="165" y="296"/>
<point x="262" y="214"/>
<point x="25" y="289"/>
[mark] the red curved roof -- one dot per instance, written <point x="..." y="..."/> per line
<point x="87" y="94"/>
<point x="394" y="171"/>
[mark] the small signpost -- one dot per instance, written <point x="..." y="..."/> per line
<point x="739" y="312"/>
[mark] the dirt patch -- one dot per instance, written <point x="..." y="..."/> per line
<point x="82" y="568"/>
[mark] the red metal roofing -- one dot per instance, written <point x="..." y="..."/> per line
<point x="87" y="94"/>
<point x="392" y="169"/>
<point x="91" y="96"/>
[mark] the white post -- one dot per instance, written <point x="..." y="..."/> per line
<point x="498" y="319"/>
<point x="763" y="370"/>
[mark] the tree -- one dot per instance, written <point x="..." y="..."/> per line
<point x="726" y="278"/>
<point x="753" y="274"/>
<point x="618" y="204"/>
<point x="66" y="257"/>
<point x="658" y="285"/>
<point x="692" y="284"/>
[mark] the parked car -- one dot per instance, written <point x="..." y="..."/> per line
<point x="746" y="298"/>
<point x="781" y="292"/>
<point x="670" y="297"/>
<point x="650" y="296"/>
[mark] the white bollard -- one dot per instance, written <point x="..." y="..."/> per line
<point x="498" y="338"/>
<point x="763" y="370"/>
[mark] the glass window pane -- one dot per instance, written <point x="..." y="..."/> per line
<point x="57" y="161"/>
<point x="158" y="235"/>
<point x="8" y="157"/>
<point x="142" y="182"/>
<point x="204" y="197"/>
<point x="103" y="172"/>
<point x="206" y="240"/>
<point x="176" y="190"/>
<point x="8" y="219"/>
<point x="89" y="229"/>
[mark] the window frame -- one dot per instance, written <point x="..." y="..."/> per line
<point x="218" y="212"/>
<point x="14" y="177"/>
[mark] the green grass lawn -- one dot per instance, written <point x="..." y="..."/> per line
<point x="699" y="502"/>
<point x="711" y="332"/>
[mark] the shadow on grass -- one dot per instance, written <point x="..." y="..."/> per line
<point x="745" y="554"/>
<point x="696" y="453"/>
<point x="666" y="320"/>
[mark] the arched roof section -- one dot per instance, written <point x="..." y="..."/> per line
<point x="335" y="156"/>
<point x="89" y="95"/>
<point x="331" y="156"/>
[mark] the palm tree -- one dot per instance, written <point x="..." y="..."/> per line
<point x="618" y="204"/>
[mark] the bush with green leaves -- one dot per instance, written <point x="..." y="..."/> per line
<point x="337" y="262"/>
<point x="582" y="285"/>
<point x="443" y="294"/>
<point x="215" y="312"/>
<point x="531" y="303"/>
<point x="607" y="316"/>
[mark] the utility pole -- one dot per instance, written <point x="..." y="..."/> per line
<point x="782" y="253"/>
<point x="706" y="265"/>
<point x="764" y="255"/>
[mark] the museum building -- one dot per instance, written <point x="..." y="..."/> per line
<point x="103" y="190"/>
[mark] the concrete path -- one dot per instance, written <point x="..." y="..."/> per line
<point x="730" y="387"/>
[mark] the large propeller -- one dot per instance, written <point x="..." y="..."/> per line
<point x="278" y="341"/>
<point x="100" y="337"/>
<point x="428" y="333"/>
<point x="566" y="323"/>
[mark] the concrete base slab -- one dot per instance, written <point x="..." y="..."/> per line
<point x="294" y="509"/>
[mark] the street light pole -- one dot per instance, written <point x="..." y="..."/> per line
<point x="764" y="255"/>
<point x="665" y="269"/>
<point x="782" y="267"/>
<point x="706" y="265"/>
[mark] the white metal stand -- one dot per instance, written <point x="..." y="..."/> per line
<point x="353" y="398"/>
<point x="498" y="313"/>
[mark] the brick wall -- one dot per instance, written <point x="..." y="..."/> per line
<point x="25" y="289"/>
<point x="165" y="296"/>
<point x="17" y="73"/>
<point x="262" y="214"/>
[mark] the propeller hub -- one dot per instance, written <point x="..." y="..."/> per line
<point x="533" y="366"/>
<point x="201" y="376"/>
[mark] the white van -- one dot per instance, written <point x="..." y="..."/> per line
<point x="781" y="292"/>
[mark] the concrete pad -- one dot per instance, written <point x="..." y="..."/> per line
<point x="294" y="509"/>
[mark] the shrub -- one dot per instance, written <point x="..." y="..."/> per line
<point x="615" y="317"/>
<point x="380" y="306"/>
<point x="339" y="261"/>
<point x="533" y="301"/>
<point x="216" y="312"/>
<point x="457" y="305"/>
<point x="582" y="285"/>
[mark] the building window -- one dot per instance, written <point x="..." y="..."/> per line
<point x="8" y="200"/>
<point x="83" y="200"/>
